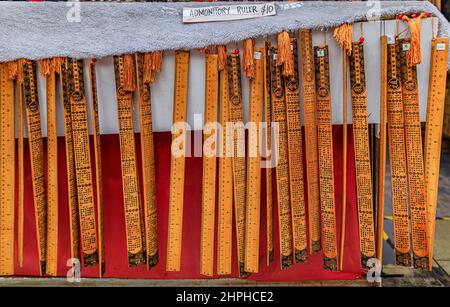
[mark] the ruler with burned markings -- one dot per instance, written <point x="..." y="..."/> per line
<point x="148" y="165"/>
<point x="236" y="115"/>
<point x="362" y="154"/>
<point x="7" y="172"/>
<point x="37" y="158"/>
<point x="82" y="157"/>
<point x="209" y="165"/>
<point x="433" y="131"/>
<point x="225" y="207"/>
<point x="175" y="225"/>
<point x="312" y="163"/>
<point x="414" y="158"/>
<point x="282" y="167"/>
<point x="326" y="169"/>
<point x="297" y="192"/>
<point x="253" y="194"/>
<point x="130" y="183"/>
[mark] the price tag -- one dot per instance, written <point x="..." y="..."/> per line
<point x="440" y="47"/>
<point x="405" y="46"/>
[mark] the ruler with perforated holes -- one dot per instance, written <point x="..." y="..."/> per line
<point x="362" y="154"/>
<point x="433" y="131"/>
<point x="253" y="202"/>
<point x="326" y="168"/>
<point x="175" y="225"/>
<point x="37" y="158"/>
<point x="295" y="143"/>
<point x="397" y="157"/>
<point x="209" y="166"/>
<point x="312" y="163"/>
<point x="82" y="157"/>
<point x="282" y="167"/>
<point x="414" y="158"/>
<point x="148" y="165"/>
<point x="7" y="172"/>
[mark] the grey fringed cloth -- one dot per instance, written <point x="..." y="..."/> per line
<point x="42" y="30"/>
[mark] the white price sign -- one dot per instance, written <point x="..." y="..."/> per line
<point x="228" y="12"/>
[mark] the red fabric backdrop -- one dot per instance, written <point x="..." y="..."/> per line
<point x="114" y="222"/>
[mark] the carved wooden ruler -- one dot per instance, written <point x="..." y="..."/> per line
<point x="7" y="172"/>
<point x="294" y="133"/>
<point x="253" y="194"/>
<point x="148" y="165"/>
<point x="433" y="131"/>
<point x="414" y="158"/>
<point x="209" y="166"/>
<point x="175" y="225"/>
<point x="70" y="161"/>
<point x="312" y="163"/>
<point x="268" y="157"/>
<point x="82" y="156"/>
<point x="225" y="207"/>
<point x="236" y="115"/>
<point x="98" y="164"/>
<point x="20" y="156"/>
<point x="326" y="169"/>
<point x="282" y="168"/>
<point x="130" y="183"/>
<point x="37" y="158"/>
<point x="362" y="154"/>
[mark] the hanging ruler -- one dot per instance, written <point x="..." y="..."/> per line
<point x="253" y="194"/>
<point x="7" y="172"/>
<point x="98" y="163"/>
<point x="175" y="225"/>
<point x="70" y="161"/>
<point x="52" y="176"/>
<point x="282" y="168"/>
<point x="130" y="183"/>
<point x="362" y="154"/>
<point x="148" y="165"/>
<point x="326" y="169"/>
<point x="37" y="158"/>
<point x="294" y="133"/>
<point x="236" y="115"/>
<point x="225" y="214"/>
<point x="433" y="131"/>
<point x="82" y="157"/>
<point x="268" y="156"/>
<point x="209" y="165"/>
<point x="414" y="158"/>
<point x="20" y="156"/>
<point x="312" y="163"/>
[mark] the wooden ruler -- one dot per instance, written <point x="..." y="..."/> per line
<point x="98" y="164"/>
<point x="433" y="131"/>
<point x="268" y="155"/>
<point x="20" y="158"/>
<point x="326" y="169"/>
<point x="282" y="168"/>
<point x="362" y="154"/>
<point x="148" y="165"/>
<point x="253" y="194"/>
<point x="209" y="166"/>
<point x="130" y="183"/>
<point x="37" y="158"/>
<point x="414" y="158"/>
<point x="236" y="115"/>
<point x="7" y="172"/>
<point x="225" y="207"/>
<point x="70" y="161"/>
<point x="82" y="157"/>
<point x="296" y="188"/>
<point x="312" y="163"/>
<point x="52" y="176"/>
<point x="175" y="225"/>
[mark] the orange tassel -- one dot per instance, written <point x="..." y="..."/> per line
<point x="344" y="37"/>
<point x="56" y="64"/>
<point x="285" y="56"/>
<point x="249" y="61"/>
<point x="414" y="54"/>
<point x="222" y="56"/>
<point x="45" y="67"/>
<point x="13" y="69"/>
<point x="129" y="80"/>
<point x="20" y="70"/>
<point x="147" y="69"/>
<point x="157" y="61"/>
